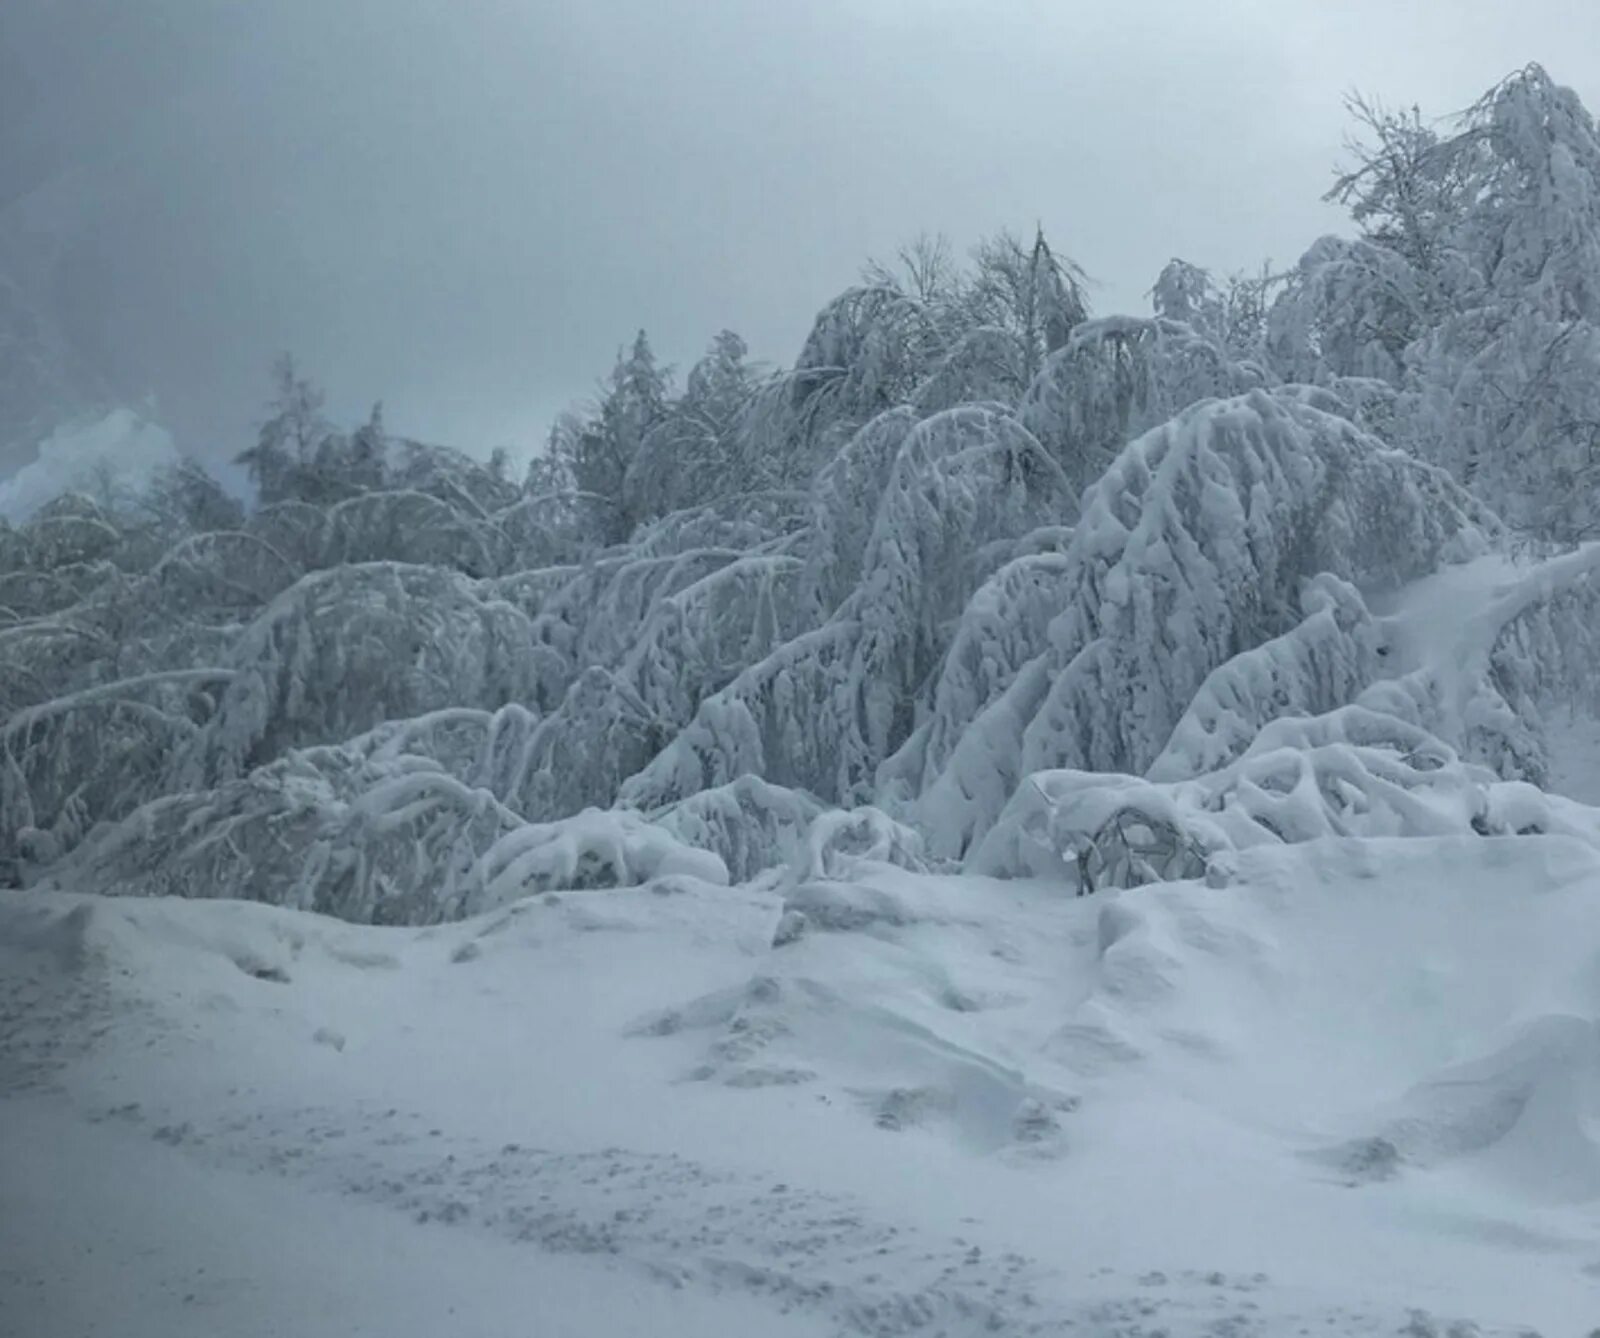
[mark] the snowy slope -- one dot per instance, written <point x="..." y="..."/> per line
<point x="1355" y="1085"/>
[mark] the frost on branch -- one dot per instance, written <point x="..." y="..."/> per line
<point x="1118" y="377"/>
<point x="839" y="841"/>
<point x="606" y="604"/>
<point x="1544" y="658"/>
<point x="695" y="640"/>
<point x="28" y="593"/>
<point x="297" y="834"/>
<point x="822" y="711"/>
<point x="1350" y="309"/>
<point x="291" y="529"/>
<point x="868" y="350"/>
<point x="671" y="628"/>
<point x="739" y="520"/>
<point x="408" y="526"/>
<point x="986" y="364"/>
<point x="401" y="843"/>
<point x="41" y="656"/>
<point x="592" y="849"/>
<point x="536" y="768"/>
<point x="1195" y="544"/>
<point x="844" y="505"/>
<point x="1320" y="663"/>
<point x="547" y="529"/>
<point x="1002" y="628"/>
<point x="468" y="485"/>
<point x="579" y="755"/>
<point x="224" y="575"/>
<point x="966" y="485"/>
<point x="73" y="528"/>
<point x="384" y="525"/>
<point x="776" y="720"/>
<point x="344" y="649"/>
<point x="1474" y="291"/>
<point x="1192" y="547"/>
<point x="73" y="760"/>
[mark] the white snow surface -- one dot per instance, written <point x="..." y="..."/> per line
<point x="1351" y="1093"/>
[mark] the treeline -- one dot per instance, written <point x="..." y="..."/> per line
<point x="973" y="534"/>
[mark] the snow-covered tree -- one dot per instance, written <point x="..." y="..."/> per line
<point x="976" y="578"/>
<point x="1031" y="293"/>
<point x="1193" y="548"/>
<point x="1476" y="290"/>
<point x="689" y="455"/>
<point x="597" y="451"/>
<point x="1185" y="293"/>
<point x="1117" y="377"/>
<point x="185" y="499"/>
<point x="283" y="461"/>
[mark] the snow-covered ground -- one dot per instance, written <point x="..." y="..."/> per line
<point x="1353" y="1092"/>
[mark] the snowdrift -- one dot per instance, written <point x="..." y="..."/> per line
<point x="1359" y="1077"/>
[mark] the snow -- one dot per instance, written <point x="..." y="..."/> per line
<point x="646" y="898"/>
<point x="180" y="1251"/>
<point x="1354" y="1085"/>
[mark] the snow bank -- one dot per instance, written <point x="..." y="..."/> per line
<point x="1347" y="1089"/>
<point x="1349" y="773"/>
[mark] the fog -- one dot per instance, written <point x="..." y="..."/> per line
<point x="463" y="207"/>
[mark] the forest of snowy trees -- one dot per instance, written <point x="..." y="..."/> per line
<point x="981" y="581"/>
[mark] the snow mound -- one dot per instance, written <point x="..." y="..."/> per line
<point x="1348" y="773"/>
<point x="1294" y="1007"/>
<point x="1519" y="1115"/>
<point x="1387" y="1008"/>
<point x="862" y="997"/>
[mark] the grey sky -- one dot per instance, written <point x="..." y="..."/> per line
<point x="464" y="206"/>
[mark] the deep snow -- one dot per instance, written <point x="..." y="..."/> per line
<point x="1356" y="1085"/>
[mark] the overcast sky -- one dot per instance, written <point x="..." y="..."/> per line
<point x="464" y="206"/>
